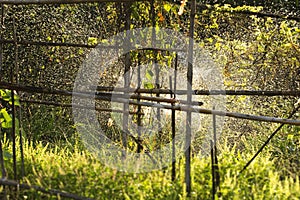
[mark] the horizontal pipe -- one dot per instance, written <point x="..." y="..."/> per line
<point x="75" y="106"/>
<point x="219" y="113"/>
<point x="189" y="108"/>
<point x="33" y="89"/>
<point x="98" y="96"/>
<point x="147" y="98"/>
<point x="176" y="107"/>
<point x="206" y="92"/>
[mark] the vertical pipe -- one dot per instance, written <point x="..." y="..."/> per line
<point x="126" y="73"/>
<point x="174" y="122"/>
<point x="173" y="175"/>
<point x="139" y="110"/>
<point x="213" y="155"/>
<point x="214" y="128"/>
<point x="212" y="169"/>
<point x="13" y="107"/>
<point x="216" y="166"/>
<point x="156" y="67"/>
<point x="4" y="173"/>
<point x="189" y="100"/>
<point x="19" y="108"/>
<point x="175" y="74"/>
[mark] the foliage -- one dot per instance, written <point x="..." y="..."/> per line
<point x="279" y="6"/>
<point x="5" y="108"/>
<point x="257" y="54"/>
<point x="58" y="129"/>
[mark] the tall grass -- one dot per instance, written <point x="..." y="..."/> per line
<point x="77" y="171"/>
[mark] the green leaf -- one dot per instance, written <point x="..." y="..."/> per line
<point x="5" y="94"/>
<point x="210" y="40"/>
<point x="2" y="93"/>
<point x="5" y="115"/>
<point x="92" y="41"/>
<point x="17" y="102"/>
<point x="250" y="56"/>
<point x="290" y="137"/>
<point x="149" y="75"/>
<point x="6" y="124"/>
<point x="167" y="7"/>
<point x="148" y="85"/>
<point x="288" y="45"/>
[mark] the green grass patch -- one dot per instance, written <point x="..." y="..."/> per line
<point x="77" y="171"/>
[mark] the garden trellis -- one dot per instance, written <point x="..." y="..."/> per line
<point x="137" y="96"/>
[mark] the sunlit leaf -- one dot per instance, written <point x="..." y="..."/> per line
<point x="167" y="7"/>
<point x="149" y="75"/>
<point x="5" y="115"/>
<point x="148" y="85"/>
<point x="92" y="41"/>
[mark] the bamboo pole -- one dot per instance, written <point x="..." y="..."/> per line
<point x="212" y="169"/>
<point x="176" y="107"/>
<point x="99" y="96"/>
<point x="49" y="103"/>
<point x="173" y="95"/>
<point x="12" y="79"/>
<point x="188" y="136"/>
<point x="139" y="117"/>
<point x="215" y="166"/>
<point x="219" y="113"/>
<point x="127" y="72"/>
<point x="2" y="26"/>
<point x="208" y="92"/>
<point x="19" y="108"/>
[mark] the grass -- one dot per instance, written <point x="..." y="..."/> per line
<point x="79" y="172"/>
